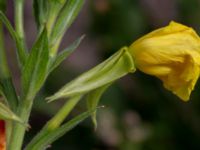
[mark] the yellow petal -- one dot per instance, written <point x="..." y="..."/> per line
<point x="172" y="54"/>
<point x="182" y="79"/>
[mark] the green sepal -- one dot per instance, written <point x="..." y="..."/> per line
<point x="115" y="67"/>
<point x="93" y="98"/>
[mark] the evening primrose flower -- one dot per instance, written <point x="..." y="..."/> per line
<point x="172" y="54"/>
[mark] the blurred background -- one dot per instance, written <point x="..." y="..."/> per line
<point x="140" y="114"/>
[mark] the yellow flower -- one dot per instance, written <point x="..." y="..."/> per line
<point x="172" y="54"/>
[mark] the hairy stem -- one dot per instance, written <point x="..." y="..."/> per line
<point x="55" y="122"/>
<point x="18" y="129"/>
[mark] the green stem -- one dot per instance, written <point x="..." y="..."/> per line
<point x="25" y="106"/>
<point x="53" y="49"/>
<point x="55" y="122"/>
<point x="62" y="113"/>
<point x="19" y="26"/>
<point x="18" y="129"/>
<point x="9" y="126"/>
<point x="19" y="21"/>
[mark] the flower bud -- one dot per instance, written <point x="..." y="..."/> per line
<point x="172" y="54"/>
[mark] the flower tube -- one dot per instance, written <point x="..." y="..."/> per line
<point x="171" y="53"/>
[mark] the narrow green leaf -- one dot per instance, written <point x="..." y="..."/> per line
<point x="93" y="98"/>
<point x="58" y="132"/>
<point x="36" y="68"/>
<point x="67" y="15"/>
<point x="7" y="87"/>
<point x="65" y="53"/>
<point x="20" y="48"/>
<point x="7" y="114"/>
<point x="7" y="90"/>
<point x="115" y="67"/>
<point x="4" y="70"/>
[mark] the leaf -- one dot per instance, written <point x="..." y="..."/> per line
<point x="67" y="15"/>
<point x="7" y="87"/>
<point x="22" y="55"/>
<point x="93" y="98"/>
<point x="7" y="114"/>
<point x="55" y="134"/>
<point x="65" y="53"/>
<point x="115" y="67"/>
<point x="35" y="70"/>
<point x="7" y="90"/>
<point x="40" y="9"/>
